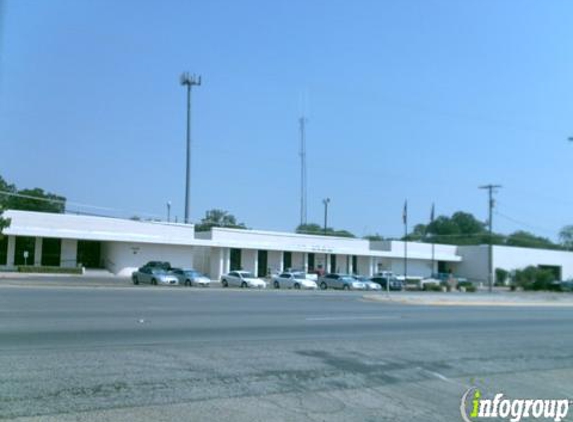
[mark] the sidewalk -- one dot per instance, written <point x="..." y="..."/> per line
<point x="90" y="279"/>
<point x="496" y="298"/>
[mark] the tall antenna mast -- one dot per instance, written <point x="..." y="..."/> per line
<point x="302" y="122"/>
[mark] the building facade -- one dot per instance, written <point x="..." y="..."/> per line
<point x="121" y="246"/>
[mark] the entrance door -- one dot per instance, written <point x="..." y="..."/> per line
<point x="89" y="254"/>
<point x="25" y="244"/>
<point x="262" y="266"/>
<point x="236" y="260"/>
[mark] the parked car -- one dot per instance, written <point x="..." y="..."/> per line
<point x="154" y="276"/>
<point x="293" y="280"/>
<point x="388" y="283"/>
<point x="164" y="265"/>
<point x="191" y="277"/>
<point x="340" y="281"/>
<point x="370" y="285"/>
<point x="242" y="279"/>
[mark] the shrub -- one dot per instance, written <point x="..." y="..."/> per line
<point x="533" y="278"/>
<point x="471" y="288"/>
<point x="430" y="287"/>
<point x="501" y="276"/>
<point x="49" y="270"/>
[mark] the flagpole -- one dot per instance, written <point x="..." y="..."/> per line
<point x="433" y="244"/>
<point x="405" y="242"/>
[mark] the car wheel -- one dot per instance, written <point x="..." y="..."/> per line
<point x="135" y="280"/>
<point x="297" y="286"/>
<point x="224" y="283"/>
<point x="323" y="286"/>
<point x="243" y="285"/>
<point x="277" y="286"/>
<point x="188" y="283"/>
<point x="346" y="287"/>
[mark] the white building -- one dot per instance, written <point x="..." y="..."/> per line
<point x="123" y="245"/>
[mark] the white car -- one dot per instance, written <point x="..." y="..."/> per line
<point x="242" y="279"/>
<point x="190" y="277"/>
<point x="370" y="285"/>
<point x="293" y="280"/>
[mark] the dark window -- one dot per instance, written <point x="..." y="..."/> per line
<point x="311" y="262"/>
<point x="89" y="253"/>
<point x="4" y="250"/>
<point x="284" y="275"/>
<point x="354" y="264"/>
<point x="332" y="263"/>
<point x="262" y="263"/>
<point x="235" y="259"/>
<point x="287" y="259"/>
<point x="51" y="252"/>
<point x="24" y="244"/>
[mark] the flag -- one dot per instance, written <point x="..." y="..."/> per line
<point x="432" y="215"/>
<point x="405" y="212"/>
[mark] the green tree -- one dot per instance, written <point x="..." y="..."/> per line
<point x="218" y="218"/>
<point x="374" y="237"/>
<point x="313" y="228"/>
<point x="528" y="240"/>
<point x="4" y="222"/>
<point x="566" y="237"/>
<point x="30" y="199"/>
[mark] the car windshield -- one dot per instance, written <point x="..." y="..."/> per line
<point x="246" y="274"/>
<point x="158" y="271"/>
<point x="299" y="276"/>
<point x="193" y="273"/>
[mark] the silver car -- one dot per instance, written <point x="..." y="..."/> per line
<point x="190" y="277"/>
<point x="370" y="285"/>
<point x="340" y="281"/>
<point x="154" y="276"/>
<point x="293" y="280"/>
<point x="242" y="279"/>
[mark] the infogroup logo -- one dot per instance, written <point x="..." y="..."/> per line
<point x="474" y="407"/>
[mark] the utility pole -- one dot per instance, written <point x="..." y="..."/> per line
<point x="325" y="202"/>
<point x="188" y="81"/>
<point x="169" y="211"/>
<point x="302" y="122"/>
<point x="491" y="190"/>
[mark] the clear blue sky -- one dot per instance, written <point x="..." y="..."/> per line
<point x="416" y="99"/>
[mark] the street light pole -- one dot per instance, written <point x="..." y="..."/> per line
<point x="490" y="189"/>
<point x="188" y="81"/>
<point x="326" y="201"/>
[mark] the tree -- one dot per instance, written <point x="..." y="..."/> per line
<point x="30" y="199"/>
<point x="316" y="229"/>
<point x="566" y="237"/>
<point x="4" y="222"/>
<point x="374" y="237"/>
<point x="528" y="240"/>
<point x="218" y="218"/>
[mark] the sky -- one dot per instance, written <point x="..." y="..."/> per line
<point x="418" y="100"/>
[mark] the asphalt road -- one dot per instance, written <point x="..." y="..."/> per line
<point x="161" y="354"/>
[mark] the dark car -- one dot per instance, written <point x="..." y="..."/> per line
<point x="164" y="265"/>
<point x="395" y="284"/>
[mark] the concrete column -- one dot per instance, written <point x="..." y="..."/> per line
<point x="11" y="251"/>
<point x="216" y="263"/>
<point x="249" y="260"/>
<point x="350" y="267"/>
<point x="226" y="260"/>
<point x="38" y="252"/>
<point x="69" y="255"/>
